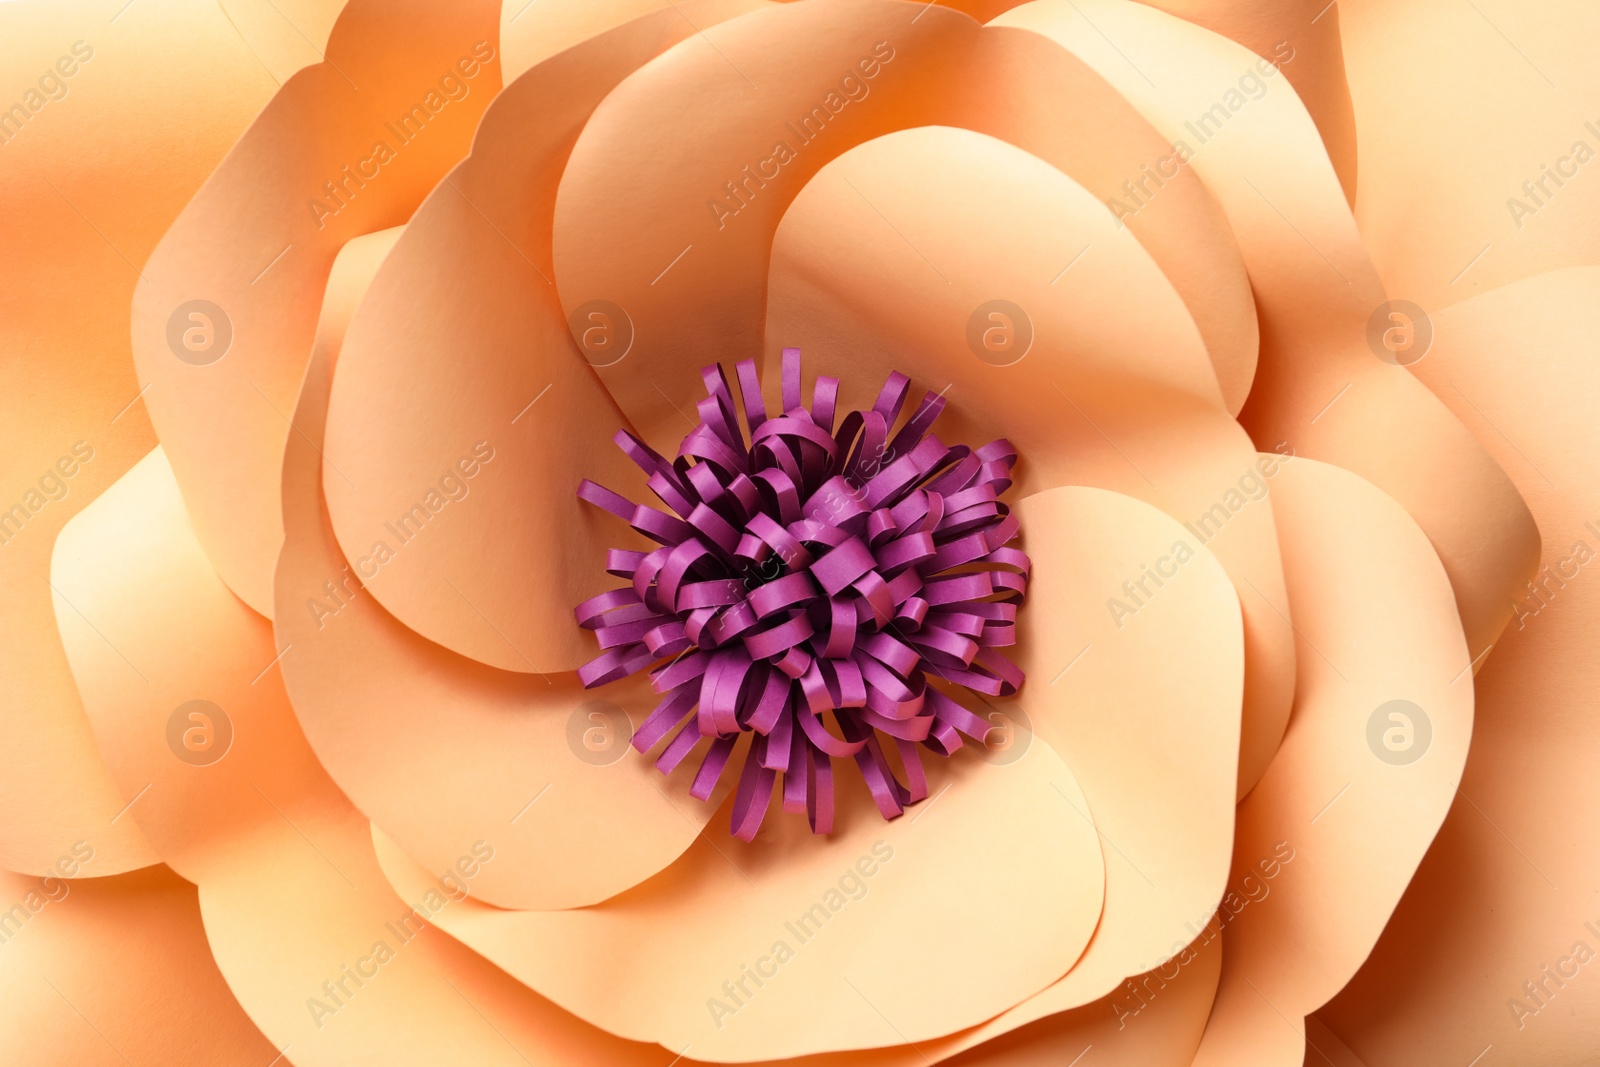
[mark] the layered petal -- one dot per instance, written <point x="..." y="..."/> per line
<point x="227" y="304"/>
<point x="531" y="33"/>
<point x="197" y="743"/>
<point x="1154" y="1020"/>
<point x="1429" y="80"/>
<point x="1324" y="380"/>
<point x="93" y="174"/>
<point x="325" y="958"/>
<point x="1142" y="695"/>
<point x="868" y="266"/>
<point x="1511" y="864"/>
<point x="114" y="970"/>
<point x="1328" y="840"/>
<point x="508" y="757"/>
<point x="794" y="944"/>
<point x="1304" y="37"/>
<point x="443" y="849"/>
<point x="463" y="414"/>
<point x="284" y="36"/>
<point x="680" y="252"/>
<point x="1144" y="704"/>
<point x="1163" y="785"/>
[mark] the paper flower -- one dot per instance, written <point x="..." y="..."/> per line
<point x="324" y="634"/>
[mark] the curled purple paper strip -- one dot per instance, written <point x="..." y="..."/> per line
<point x="829" y="591"/>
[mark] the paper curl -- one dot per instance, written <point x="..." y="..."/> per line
<point x="810" y="576"/>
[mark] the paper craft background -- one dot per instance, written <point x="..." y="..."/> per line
<point x="163" y="920"/>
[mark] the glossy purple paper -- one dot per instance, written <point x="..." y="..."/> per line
<point x="810" y="576"/>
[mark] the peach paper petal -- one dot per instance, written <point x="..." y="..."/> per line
<point x="254" y="246"/>
<point x="289" y="892"/>
<point x="1309" y="29"/>
<point x="1154" y="1021"/>
<point x="286" y="919"/>
<point x="284" y="35"/>
<point x="1328" y="840"/>
<point x="869" y="264"/>
<point x="665" y="247"/>
<point x="1319" y="384"/>
<point x="1185" y="845"/>
<point x="1155" y="749"/>
<point x="1507" y="92"/>
<point x="104" y="971"/>
<point x="1146" y="711"/>
<point x="1009" y="843"/>
<point x="531" y="31"/>
<point x="87" y="188"/>
<point x="1515" y="861"/>
<point x="1055" y="107"/>
<point x="463" y="417"/>
<point x="504" y="755"/>
<point x="1325" y="1046"/>
<point x="136" y="600"/>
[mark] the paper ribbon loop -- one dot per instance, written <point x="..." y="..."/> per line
<point x="830" y="592"/>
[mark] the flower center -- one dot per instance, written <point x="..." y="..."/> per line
<point x="832" y="592"/>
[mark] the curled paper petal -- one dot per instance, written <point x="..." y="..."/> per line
<point x="114" y="970"/>
<point x="321" y="953"/>
<point x="190" y="741"/>
<point x="1303" y="38"/>
<point x="1501" y="861"/>
<point x="897" y="69"/>
<point x="227" y="305"/>
<point x="1064" y="403"/>
<point x="1163" y="804"/>
<point x="294" y="944"/>
<point x="1321" y="384"/>
<point x="1383" y="713"/>
<point x="832" y="926"/>
<point x="87" y="189"/>
<point x="1169" y="674"/>
<point x="533" y="764"/>
<point x="462" y="407"/>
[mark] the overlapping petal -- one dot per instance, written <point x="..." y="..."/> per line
<point x="835" y="74"/>
<point x="382" y="705"/>
<point x="403" y="838"/>
<point x="1153" y="1020"/>
<point x="1505" y="864"/>
<point x="1383" y="714"/>
<point x="1311" y="33"/>
<point x="91" y="180"/>
<point x="1154" y="746"/>
<point x="1115" y="391"/>
<point x="1510" y="205"/>
<point x="393" y="105"/>
<point x="284" y="36"/>
<point x="835" y="930"/>
<point x="1320" y="384"/>
<point x="114" y="970"/>
<point x="1146" y="708"/>
<point x="1166" y="863"/>
<point x="321" y="953"/>
<point x="462" y="416"/>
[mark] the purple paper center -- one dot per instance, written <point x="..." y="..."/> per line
<point x="832" y="592"/>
